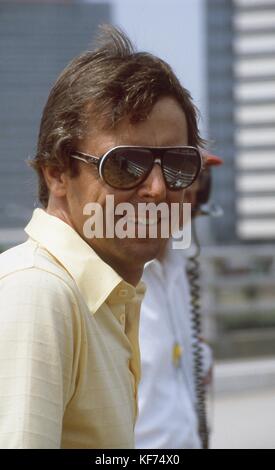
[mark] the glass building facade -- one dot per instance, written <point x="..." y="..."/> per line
<point x="241" y="116"/>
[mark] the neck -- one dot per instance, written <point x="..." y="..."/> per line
<point x="132" y="277"/>
<point x="161" y="254"/>
<point x="128" y="272"/>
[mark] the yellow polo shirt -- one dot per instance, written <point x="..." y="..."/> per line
<point x="69" y="355"/>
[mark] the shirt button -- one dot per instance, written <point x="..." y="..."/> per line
<point x="123" y="293"/>
<point x="122" y="319"/>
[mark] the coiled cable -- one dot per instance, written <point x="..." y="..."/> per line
<point x="193" y="274"/>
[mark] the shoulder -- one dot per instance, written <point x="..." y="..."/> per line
<point x="31" y="282"/>
<point x="29" y="263"/>
<point x="19" y="257"/>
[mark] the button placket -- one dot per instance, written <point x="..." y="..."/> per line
<point x="122" y="319"/>
<point x="122" y="293"/>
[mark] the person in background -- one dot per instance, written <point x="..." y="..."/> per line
<point x="167" y="396"/>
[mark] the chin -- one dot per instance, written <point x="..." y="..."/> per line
<point x="140" y="251"/>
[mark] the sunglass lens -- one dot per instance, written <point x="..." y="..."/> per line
<point x="180" y="167"/>
<point x="125" y="168"/>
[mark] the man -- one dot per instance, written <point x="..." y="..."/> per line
<point x="167" y="394"/>
<point x="69" y="303"/>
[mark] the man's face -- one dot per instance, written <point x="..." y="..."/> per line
<point x="165" y="126"/>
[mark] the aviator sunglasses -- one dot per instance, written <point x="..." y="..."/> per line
<point x="126" y="167"/>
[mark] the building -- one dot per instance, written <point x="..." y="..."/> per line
<point x="241" y="107"/>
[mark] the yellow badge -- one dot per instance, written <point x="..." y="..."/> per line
<point x="177" y="353"/>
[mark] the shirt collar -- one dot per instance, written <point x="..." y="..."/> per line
<point x="95" y="279"/>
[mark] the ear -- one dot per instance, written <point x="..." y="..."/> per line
<point x="56" y="180"/>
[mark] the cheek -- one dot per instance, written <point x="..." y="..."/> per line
<point x="87" y="189"/>
<point x="176" y="196"/>
<point x="123" y="196"/>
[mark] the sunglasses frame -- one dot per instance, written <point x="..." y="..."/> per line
<point x="99" y="161"/>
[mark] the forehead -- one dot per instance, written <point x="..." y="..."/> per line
<point x="165" y="126"/>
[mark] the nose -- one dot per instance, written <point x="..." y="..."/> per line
<point x="153" y="188"/>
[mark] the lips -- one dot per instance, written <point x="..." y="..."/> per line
<point x="143" y="221"/>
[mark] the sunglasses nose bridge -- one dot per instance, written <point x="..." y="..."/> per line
<point x="157" y="160"/>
